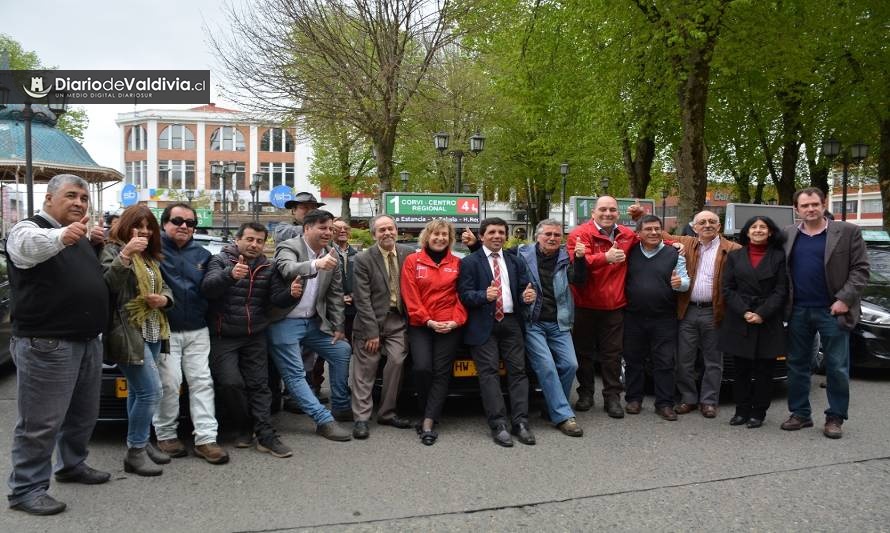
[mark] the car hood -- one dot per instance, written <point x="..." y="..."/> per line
<point x="877" y="294"/>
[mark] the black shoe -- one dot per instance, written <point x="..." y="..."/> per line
<point x="86" y="475"/>
<point x="396" y="422"/>
<point x="524" y="433"/>
<point x="613" y="408"/>
<point x="43" y="505"/>
<point x="755" y="423"/>
<point x="584" y="403"/>
<point x="501" y="436"/>
<point x="360" y="430"/>
<point x="738" y="420"/>
<point x="429" y="437"/>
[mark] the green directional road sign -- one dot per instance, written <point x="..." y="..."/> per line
<point x="205" y="216"/>
<point x="583" y="208"/>
<point x="414" y="210"/>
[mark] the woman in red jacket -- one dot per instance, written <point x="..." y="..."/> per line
<point x="435" y="314"/>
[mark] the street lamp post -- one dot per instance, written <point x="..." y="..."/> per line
<point x="604" y="185"/>
<point x="664" y="198"/>
<point x="255" y="195"/>
<point x="221" y="171"/>
<point x="57" y="107"/>
<point x="564" y="171"/>
<point x="855" y="153"/>
<point x="405" y="176"/>
<point x="189" y="195"/>
<point x="477" y="143"/>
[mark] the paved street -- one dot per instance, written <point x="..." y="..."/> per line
<point x="636" y="474"/>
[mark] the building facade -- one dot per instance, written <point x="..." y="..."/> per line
<point x="167" y="155"/>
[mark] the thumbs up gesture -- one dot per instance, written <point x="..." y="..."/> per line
<point x="580" y="249"/>
<point x="136" y="244"/>
<point x="615" y="254"/>
<point x="492" y="292"/>
<point x="327" y="262"/>
<point x="467" y="237"/>
<point x="675" y="280"/>
<point x="529" y="294"/>
<point x="240" y="270"/>
<point x="296" y="288"/>
<point x="75" y="231"/>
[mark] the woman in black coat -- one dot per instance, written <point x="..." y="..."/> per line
<point x="755" y="286"/>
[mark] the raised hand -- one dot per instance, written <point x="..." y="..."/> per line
<point x="675" y="280"/>
<point x="467" y="237"/>
<point x="240" y="270"/>
<point x="75" y="231"/>
<point x="580" y="249"/>
<point x="136" y="244"/>
<point x="296" y="288"/>
<point x="328" y="262"/>
<point x="529" y="294"/>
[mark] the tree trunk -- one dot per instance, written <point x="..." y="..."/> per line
<point x="758" y="191"/>
<point x="692" y="171"/>
<point x="385" y="145"/>
<point x="742" y="186"/>
<point x="639" y="164"/>
<point x="345" y="209"/>
<point x="790" y="147"/>
<point x="884" y="169"/>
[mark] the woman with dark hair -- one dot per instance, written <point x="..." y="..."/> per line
<point x="132" y="264"/>
<point x="755" y="286"/>
<point x="435" y="315"/>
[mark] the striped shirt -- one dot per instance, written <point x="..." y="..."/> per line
<point x="703" y="283"/>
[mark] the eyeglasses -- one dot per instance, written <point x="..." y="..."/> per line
<point x="704" y="221"/>
<point x="189" y="222"/>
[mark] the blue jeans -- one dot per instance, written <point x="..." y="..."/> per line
<point x="804" y="324"/>
<point x="143" y="395"/>
<point x="552" y="356"/>
<point x="287" y="338"/>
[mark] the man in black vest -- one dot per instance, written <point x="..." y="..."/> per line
<point x="55" y="343"/>
<point x="655" y="272"/>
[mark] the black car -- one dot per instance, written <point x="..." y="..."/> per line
<point x="5" y="325"/>
<point x="870" y="340"/>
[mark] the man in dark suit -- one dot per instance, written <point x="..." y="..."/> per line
<point x="828" y="269"/>
<point x="379" y="327"/>
<point x="495" y="288"/>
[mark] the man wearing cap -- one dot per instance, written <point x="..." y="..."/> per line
<point x="301" y="204"/>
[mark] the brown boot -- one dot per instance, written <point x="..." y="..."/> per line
<point x="833" y="429"/>
<point x="212" y="453"/>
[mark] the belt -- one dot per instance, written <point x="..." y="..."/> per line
<point x="702" y="304"/>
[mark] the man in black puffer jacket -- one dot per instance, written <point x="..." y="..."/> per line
<point x="237" y="286"/>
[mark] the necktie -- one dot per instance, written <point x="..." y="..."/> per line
<point x="499" y="303"/>
<point x="393" y="279"/>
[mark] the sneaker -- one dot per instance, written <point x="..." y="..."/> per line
<point x="274" y="446"/>
<point x="333" y="431"/>
<point x="833" y="429"/>
<point x="172" y="447"/>
<point x="795" y="422"/>
<point x="570" y="427"/>
<point x="212" y="453"/>
<point x="244" y="440"/>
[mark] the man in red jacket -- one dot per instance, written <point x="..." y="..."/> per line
<point x="599" y="304"/>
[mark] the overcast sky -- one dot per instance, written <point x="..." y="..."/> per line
<point x="111" y="35"/>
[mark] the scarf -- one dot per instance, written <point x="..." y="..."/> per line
<point x="138" y="309"/>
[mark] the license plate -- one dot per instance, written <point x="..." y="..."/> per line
<point x="466" y="368"/>
<point x="120" y="387"/>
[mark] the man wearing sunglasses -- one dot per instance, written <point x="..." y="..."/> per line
<point x="183" y="268"/>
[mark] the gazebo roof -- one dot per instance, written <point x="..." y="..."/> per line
<point x="54" y="151"/>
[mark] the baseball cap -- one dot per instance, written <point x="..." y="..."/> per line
<point x="302" y="198"/>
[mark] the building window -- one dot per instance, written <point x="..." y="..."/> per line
<point x="137" y="173"/>
<point x="836" y="207"/>
<point x="227" y="139"/>
<point x="137" y="139"/>
<point x="874" y="205"/>
<point x="278" y="174"/>
<point x="233" y="181"/>
<point x="277" y="140"/>
<point x="176" y="174"/>
<point x="176" y="137"/>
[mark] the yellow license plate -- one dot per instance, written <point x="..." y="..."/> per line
<point x="466" y="368"/>
<point x="120" y="387"/>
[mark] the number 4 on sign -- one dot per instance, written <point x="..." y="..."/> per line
<point x="467" y="205"/>
<point x="395" y="204"/>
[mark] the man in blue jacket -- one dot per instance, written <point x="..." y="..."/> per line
<point x="495" y="288"/>
<point x="548" y="337"/>
<point x="183" y="268"/>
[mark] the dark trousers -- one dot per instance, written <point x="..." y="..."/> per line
<point x="753" y="386"/>
<point x="654" y="338"/>
<point x="599" y="333"/>
<point x="505" y="343"/>
<point x="239" y="366"/>
<point x="432" y="356"/>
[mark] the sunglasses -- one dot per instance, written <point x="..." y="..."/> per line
<point x="189" y="222"/>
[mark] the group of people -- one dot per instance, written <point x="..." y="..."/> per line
<point x="237" y="325"/>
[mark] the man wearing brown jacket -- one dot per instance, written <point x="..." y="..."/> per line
<point x="700" y="310"/>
